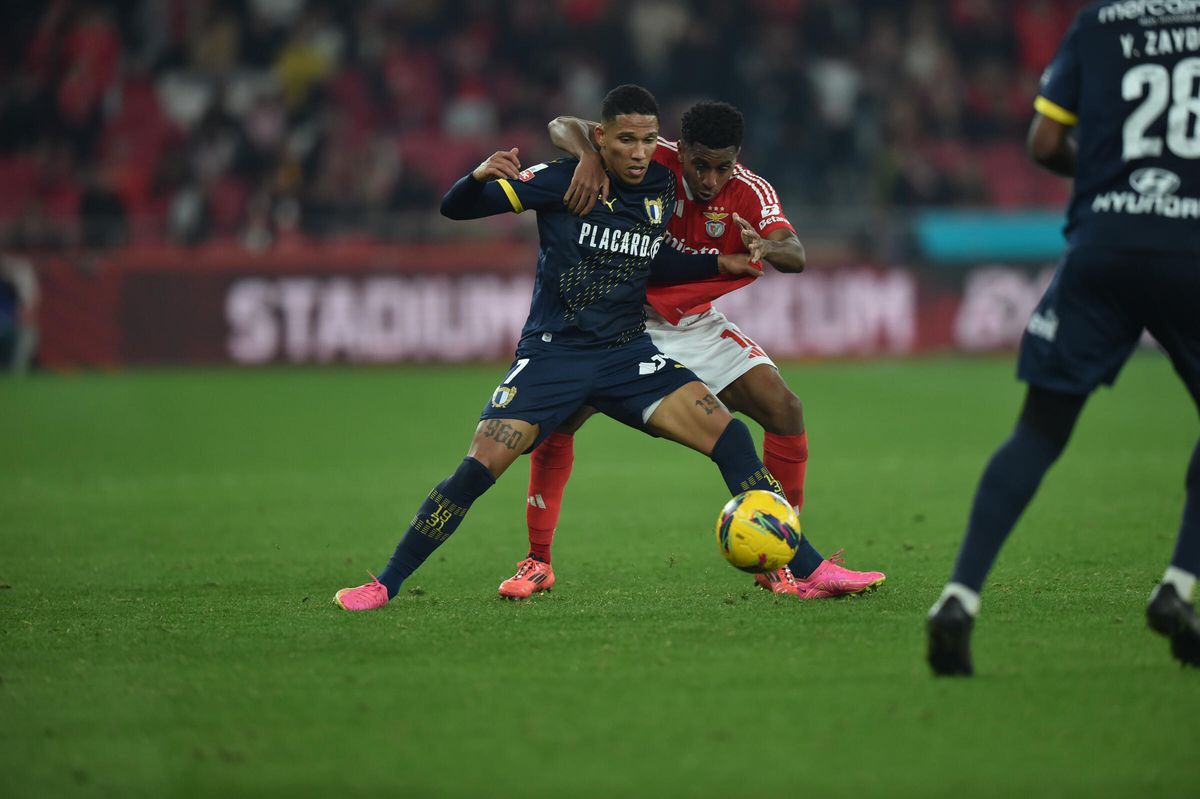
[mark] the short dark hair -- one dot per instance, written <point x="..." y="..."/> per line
<point x="712" y="124"/>
<point x="628" y="98"/>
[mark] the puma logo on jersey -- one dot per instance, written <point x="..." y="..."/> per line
<point x="607" y="203"/>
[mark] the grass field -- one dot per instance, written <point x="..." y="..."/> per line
<point x="170" y="543"/>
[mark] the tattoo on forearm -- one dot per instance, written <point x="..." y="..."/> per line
<point x="708" y="404"/>
<point x="502" y="432"/>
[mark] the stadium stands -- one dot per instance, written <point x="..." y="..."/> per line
<point x="259" y="121"/>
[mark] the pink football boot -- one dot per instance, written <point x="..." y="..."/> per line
<point x="831" y="579"/>
<point x="368" y="596"/>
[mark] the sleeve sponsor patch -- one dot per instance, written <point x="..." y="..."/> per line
<point x="527" y="174"/>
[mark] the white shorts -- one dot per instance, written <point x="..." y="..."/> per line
<point x="708" y="344"/>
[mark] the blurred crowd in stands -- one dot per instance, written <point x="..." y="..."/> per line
<point x="272" y="123"/>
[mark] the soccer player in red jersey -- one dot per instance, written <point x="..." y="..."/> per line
<point x="585" y="340"/>
<point x="722" y="208"/>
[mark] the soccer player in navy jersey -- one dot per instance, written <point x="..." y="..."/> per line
<point x="1119" y="110"/>
<point x="722" y="207"/>
<point x="585" y="340"/>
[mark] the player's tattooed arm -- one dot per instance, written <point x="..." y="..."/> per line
<point x="502" y="433"/>
<point x="708" y="403"/>
<point x="590" y="182"/>
<point x="781" y="247"/>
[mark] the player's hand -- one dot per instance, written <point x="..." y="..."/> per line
<point x="739" y="264"/>
<point x="755" y="244"/>
<point x="500" y="164"/>
<point x="589" y="183"/>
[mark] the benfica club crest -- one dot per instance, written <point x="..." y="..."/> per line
<point x="715" y="226"/>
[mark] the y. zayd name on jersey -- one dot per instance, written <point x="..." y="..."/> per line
<point x="1162" y="42"/>
<point x="602" y="237"/>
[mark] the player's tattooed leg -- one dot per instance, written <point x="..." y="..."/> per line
<point x="708" y="403"/>
<point x="502" y="433"/>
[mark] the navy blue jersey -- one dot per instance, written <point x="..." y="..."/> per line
<point x="1127" y="74"/>
<point x="592" y="271"/>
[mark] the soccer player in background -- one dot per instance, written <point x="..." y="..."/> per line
<point x="722" y="208"/>
<point x="1126" y="82"/>
<point x="584" y="340"/>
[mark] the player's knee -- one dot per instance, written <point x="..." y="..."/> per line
<point x="784" y="415"/>
<point x="1051" y="416"/>
<point x="499" y="442"/>
<point x="494" y="465"/>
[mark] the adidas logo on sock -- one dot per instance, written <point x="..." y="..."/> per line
<point x="537" y="501"/>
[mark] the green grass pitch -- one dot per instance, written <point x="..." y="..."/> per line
<point x="170" y="543"/>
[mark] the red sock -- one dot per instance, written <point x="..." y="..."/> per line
<point x="549" y="470"/>
<point x="786" y="457"/>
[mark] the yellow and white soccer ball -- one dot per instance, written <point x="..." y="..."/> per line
<point x="758" y="531"/>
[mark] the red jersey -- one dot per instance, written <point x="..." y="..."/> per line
<point x="708" y="227"/>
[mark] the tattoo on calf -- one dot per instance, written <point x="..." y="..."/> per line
<point x="708" y="404"/>
<point x="503" y="433"/>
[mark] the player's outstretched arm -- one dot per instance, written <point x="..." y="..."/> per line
<point x="470" y="197"/>
<point x="739" y="265"/>
<point x="1050" y="145"/>
<point x="672" y="266"/>
<point x="577" y="137"/>
<point x="781" y="247"/>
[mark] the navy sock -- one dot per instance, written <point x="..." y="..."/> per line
<point x="1008" y="484"/>
<point x="736" y="457"/>
<point x="806" y="560"/>
<point x="1187" y="545"/>
<point x="439" y="516"/>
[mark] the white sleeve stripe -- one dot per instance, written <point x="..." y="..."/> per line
<point x="742" y="174"/>
<point x="670" y="145"/>
<point x="757" y="192"/>
<point x="768" y="189"/>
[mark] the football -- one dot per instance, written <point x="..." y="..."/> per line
<point x="758" y="531"/>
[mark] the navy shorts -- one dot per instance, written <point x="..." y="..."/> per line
<point x="548" y="382"/>
<point x="1095" y="310"/>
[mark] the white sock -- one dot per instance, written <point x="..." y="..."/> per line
<point x="968" y="598"/>
<point x="1184" y="582"/>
